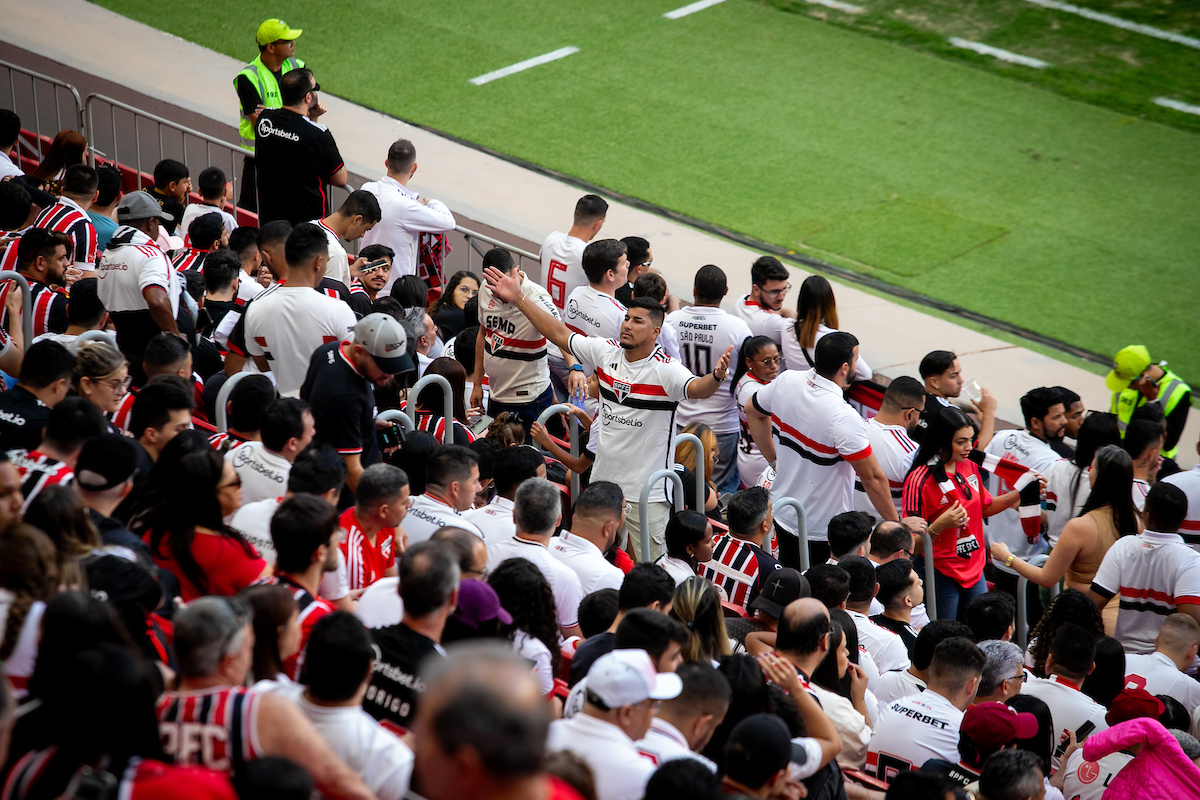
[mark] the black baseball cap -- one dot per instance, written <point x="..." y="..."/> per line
<point x="783" y="586"/>
<point x="759" y="747"/>
<point x="106" y="461"/>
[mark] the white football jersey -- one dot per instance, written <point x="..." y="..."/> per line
<point x="286" y="324"/>
<point x="705" y="334"/>
<point x="750" y="461"/>
<point x="1158" y="674"/>
<point x="591" y="312"/>
<point x="894" y="451"/>
<point x="764" y="323"/>
<point x="514" y="353"/>
<point x="668" y="340"/>
<point x="562" y="266"/>
<point x="1087" y="780"/>
<point x="338" y="266"/>
<point x="912" y="730"/>
<point x="1189" y="482"/>
<point x="1069" y="707"/>
<point x="1028" y="450"/>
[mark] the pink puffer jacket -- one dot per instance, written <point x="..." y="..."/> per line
<point x="1160" y="771"/>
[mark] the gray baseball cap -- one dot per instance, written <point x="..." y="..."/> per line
<point x="140" y="205"/>
<point x="387" y="341"/>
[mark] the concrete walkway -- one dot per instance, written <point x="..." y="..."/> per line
<point x="526" y="204"/>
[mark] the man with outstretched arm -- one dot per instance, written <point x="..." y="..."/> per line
<point x="640" y="390"/>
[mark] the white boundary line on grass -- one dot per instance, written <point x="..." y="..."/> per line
<point x="1117" y="22"/>
<point x="996" y="52"/>
<point x="836" y="5"/>
<point x="1167" y="102"/>
<point x="692" y="8"/>
<point x="520" y="66"/>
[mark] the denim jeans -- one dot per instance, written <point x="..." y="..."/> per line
<point x="527" y="412"/>
<point x="952" y="597"/>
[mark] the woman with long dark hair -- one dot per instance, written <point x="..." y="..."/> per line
<point x="68" y="149"/>
<point x="187" y="531"/>
<point x="1107" y="679"/>
<point x="430" y="408"/>
<point x="697" y="605"/>
<point x="758" y="364"/>
<point x="1042" y="743"/>
<point x="945" y="489"/>
<point x="816" y="316"/>
<point x="689" y="544"/>
<point x="276" y="631"/>
<point x="526" y="595"/>
<point x="844" y="702"/>
<point x="447" y="310"/>
<point x="1067" y="479"/>
<point x="1107" y="515"/>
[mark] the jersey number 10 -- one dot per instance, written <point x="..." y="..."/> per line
<point x="693" y="353"/>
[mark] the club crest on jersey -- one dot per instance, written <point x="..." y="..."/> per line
<point x="497" y="341"/>
<point x="621" y="389"/>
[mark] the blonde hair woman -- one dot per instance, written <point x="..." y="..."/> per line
<point x="697" y="605"/>
<point x="101" y="375"/>
<point x="685" y="454"/>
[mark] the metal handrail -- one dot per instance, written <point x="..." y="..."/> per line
<point x="396" y="415"/>
<point x="223" y="398"/>
<point x="79" y="122"/>
<point x="698" y="448"/>
<point x="573" y="427"/>
<point x="644" y="504"/>
<point x="26" y="302"/>
<point x="1023" y="598"/>
<point x="930" y="572"/>
<point x="471" y="236"/>
<point x="447" y="403"/>
<point x="93" y="336"/>
<point x="801" y="526"/>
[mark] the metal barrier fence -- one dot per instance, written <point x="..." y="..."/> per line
<point x="447" y="404"/>
<point x="698" y="448"/>
<point x="396" y="415"/>
<point x="801" y="526"/>
<point x="930" y="586"/>
<point x="473" y="238"/>
<point x="35" y="108"/>
<point x="1022" y="637"/>
<point x="644" y="503"/>
<point x="26" y="303"/>
<point x="573" y="428"/>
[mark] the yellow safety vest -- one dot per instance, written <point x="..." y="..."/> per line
<point x="1170" y="391"/>
<point x="268" y="91"/>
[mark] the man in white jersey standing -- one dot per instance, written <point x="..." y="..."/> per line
<point x="824" y="445"/>
<point x="704" y="329"/>
<point x="888" y="432"/>
<point x="1189" y="482"/>
<point x="640" y="389"/>
<point x="593" y="310"/>
<point x="562" y="253"/>
<point x="763" y="309"/>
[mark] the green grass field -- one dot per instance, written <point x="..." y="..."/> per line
<point x="938" y="174"/>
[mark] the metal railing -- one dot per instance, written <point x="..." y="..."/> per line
<point x="801" y="526"/>
<point x="573" y="428"/>
<point x="223" y="398"/>
<point x="93" y="336"/>
<point x="26" y="302"/>
<point x="1023" y="599"/>
<point x="930" y="572"/>
<point x="473" y="238"/>
<point x="30" y="106"/>
<point x="447" y="404"/>
<point x="698" y="449"/>
<point x="396" y="415"/>
<point x="644" y="505"/>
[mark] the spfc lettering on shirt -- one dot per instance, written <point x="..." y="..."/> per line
<point x="621" y="389"/>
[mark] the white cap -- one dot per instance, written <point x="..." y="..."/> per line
<point x="626" y="677"/>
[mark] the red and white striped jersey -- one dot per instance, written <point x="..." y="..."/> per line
<point x="223" y="441"/>
<point x="740" y="567"/>
<point x="311" y="610"/>
<point x="189" y="259"/>
<point x="894" y="451"/>
<point x="365" y="562"/>
<point x="426" y="422"/>
<point x="214" y="728"/>
<point x="120" y="417"/>
<point x="67" y="217"/>
<point x="49" y="306"/>
<point x="37" y="471"/>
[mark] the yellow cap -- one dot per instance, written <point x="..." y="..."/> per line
<point x="1128" y="364"/>
<point x="273" y="30"/>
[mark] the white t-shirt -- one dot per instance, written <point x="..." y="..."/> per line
<point x="911" y="731"/>
<point x="253" y="522"/>
<point x="587" y="562"/>
<point x="819" y="435"/>
<point x="764" y="323"/>
<point x="750" y="461"/>
<point x="794" y="355"/>
<point x="286" y="325"/>
<point x="884" y="647"/>
<point x="638" y="401"/>
<point x="428" y="513"/>
<point x="377" y="755"/>
<point x="677" y="568"/>
<point x="248" y="289"/>
<point x="894" y="451"/>
<point x="668" y="340"/>
<point x="1153" y="572"/>
<point x="1189" y="482"/>
<point x="19" y="665"/>
<point x="495" y="520"/>
<point x="514" y="353"/>
<point x="338" y="266"/>
<point x="1028" y="450"/>
<point x="1087" y="780"/>
<point x="125" y="271"/>
<point x="562" y="266"/>
<point x="564" y="583"/>
<point x="537" y="652"/>
<point x="380" y="605"/>
<point x="194" y="211"/>
<point x="853" y="729"/>
<point x="1140" y="489"/>
<point x="664" y="742"/>
<point x="896" y="684"/>
<point x="591" y="312"/>
<point x="1158" y="674"/>
<point x="620" y="772"/>
<point x="1058" y="490"/>
<point x="264" y="473"/>
<point x="1069" y="707"/>
<point x="704" y="336"/>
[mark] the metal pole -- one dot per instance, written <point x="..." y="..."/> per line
<point x="93" y="336"/>
<point x="26" y="305"/>
<point x="644" y="503"/>
<point x="930" y="572"/>
<point x="1023" y="599"/>
<point x="396" y="415"/>
<point x="698" y="446"/>
<point x="447" y="403"/>
<point x="223" y="398"/>
<point x="573" y="427"/>
<point x="801" y="526"/>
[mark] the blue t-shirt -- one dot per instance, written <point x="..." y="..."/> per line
<point x="105" y="228"/>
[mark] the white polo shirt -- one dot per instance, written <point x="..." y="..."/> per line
<point x="619" y="770"/>
<point x="764" y="323"/>
<point x="819" y="435"/>
<point x="286" y="324"/>
<point x="338" y="266"/>
<point x="886" y="648"/>
<point x="1153" y="572"/>
<point x="562" y="266"/>
<point x="1189" y="482"/>
<point x="564" y="583"/>
<point x="1069" y="707"/>
<point x="1088" y="780"/>
<point x="264" y="473"/>
<point x="704" y="335"/>
<point x="428" y="513"/>
<point x="587" y="562"/>
<point x="1028" y="450"/>
<point x="664" y="742"/>
<point x="912" y="730"/>
<point x="495" y="520"/>
<point x="894" y="451"/>
<point x="124" y="272"/>
<point x="896" y="684"/>
<point x="1158" y="674"/>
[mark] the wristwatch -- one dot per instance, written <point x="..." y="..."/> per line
<point x="1008" y="561"/>
<point x="576" y="368"/>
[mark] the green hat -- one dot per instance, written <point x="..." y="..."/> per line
<point x="273" y="30"/>
<point x="1129" y="363"/>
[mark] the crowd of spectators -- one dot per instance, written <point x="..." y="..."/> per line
<point x="225" y="571"/>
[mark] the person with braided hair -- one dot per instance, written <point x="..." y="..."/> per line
<point x="1069" y="607"/>
<point x="28" y="578"/>
<point x="526" y="595"/>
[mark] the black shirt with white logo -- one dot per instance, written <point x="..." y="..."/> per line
<point x="296" y="158"/>
<point x="395" y="682"/>
<point x="22" y="420"/>
<point x="343" y="404"/>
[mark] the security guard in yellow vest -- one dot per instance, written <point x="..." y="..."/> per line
<point x="1135" y="381"/>
<point x="257" y="88"/>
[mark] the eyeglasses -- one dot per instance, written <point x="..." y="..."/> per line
<point x="647" y="263"/>
<point x="119" y="386"/>
<point x="236" y="482"/>
<point x="769" y="361"/>
<point x="628" y="509"/>
<point x="316" y="88"/>
<point x="777" y="292"/>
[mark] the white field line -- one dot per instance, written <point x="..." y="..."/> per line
<point x="1167" y="102"/>
<point x="692" y="8"/>
<point x="996" y="52"/>
<point x="1117" y="22"/>
<point x="520" y="66"/>
<point x="838" y="6"/>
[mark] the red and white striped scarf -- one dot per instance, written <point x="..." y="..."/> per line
<point x="1016" y="475"/>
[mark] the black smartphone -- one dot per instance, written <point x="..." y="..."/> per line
<point x="372" y="266"/>
<point x="391" y="436"/>
<point x="1081" y="733"/>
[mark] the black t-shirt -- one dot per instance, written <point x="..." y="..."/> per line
<point x="296" y="158"/>
<point x="343" y="404"/>
<point x="22" y="419"/>
<point x="624" y="294"/>
<point x="170" y="205"/>
<point x="959" y="773"/>
<point x="359" y="302"/>
<point x="247" y="92"/>
<point x="395" y="686"/>
<point x="933" y="403"/>
<point x="589" y="650"/>
<point x="902" y="629"/>
<point x="217" y="309"/>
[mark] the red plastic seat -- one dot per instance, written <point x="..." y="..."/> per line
<point x="733" y="610"/>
